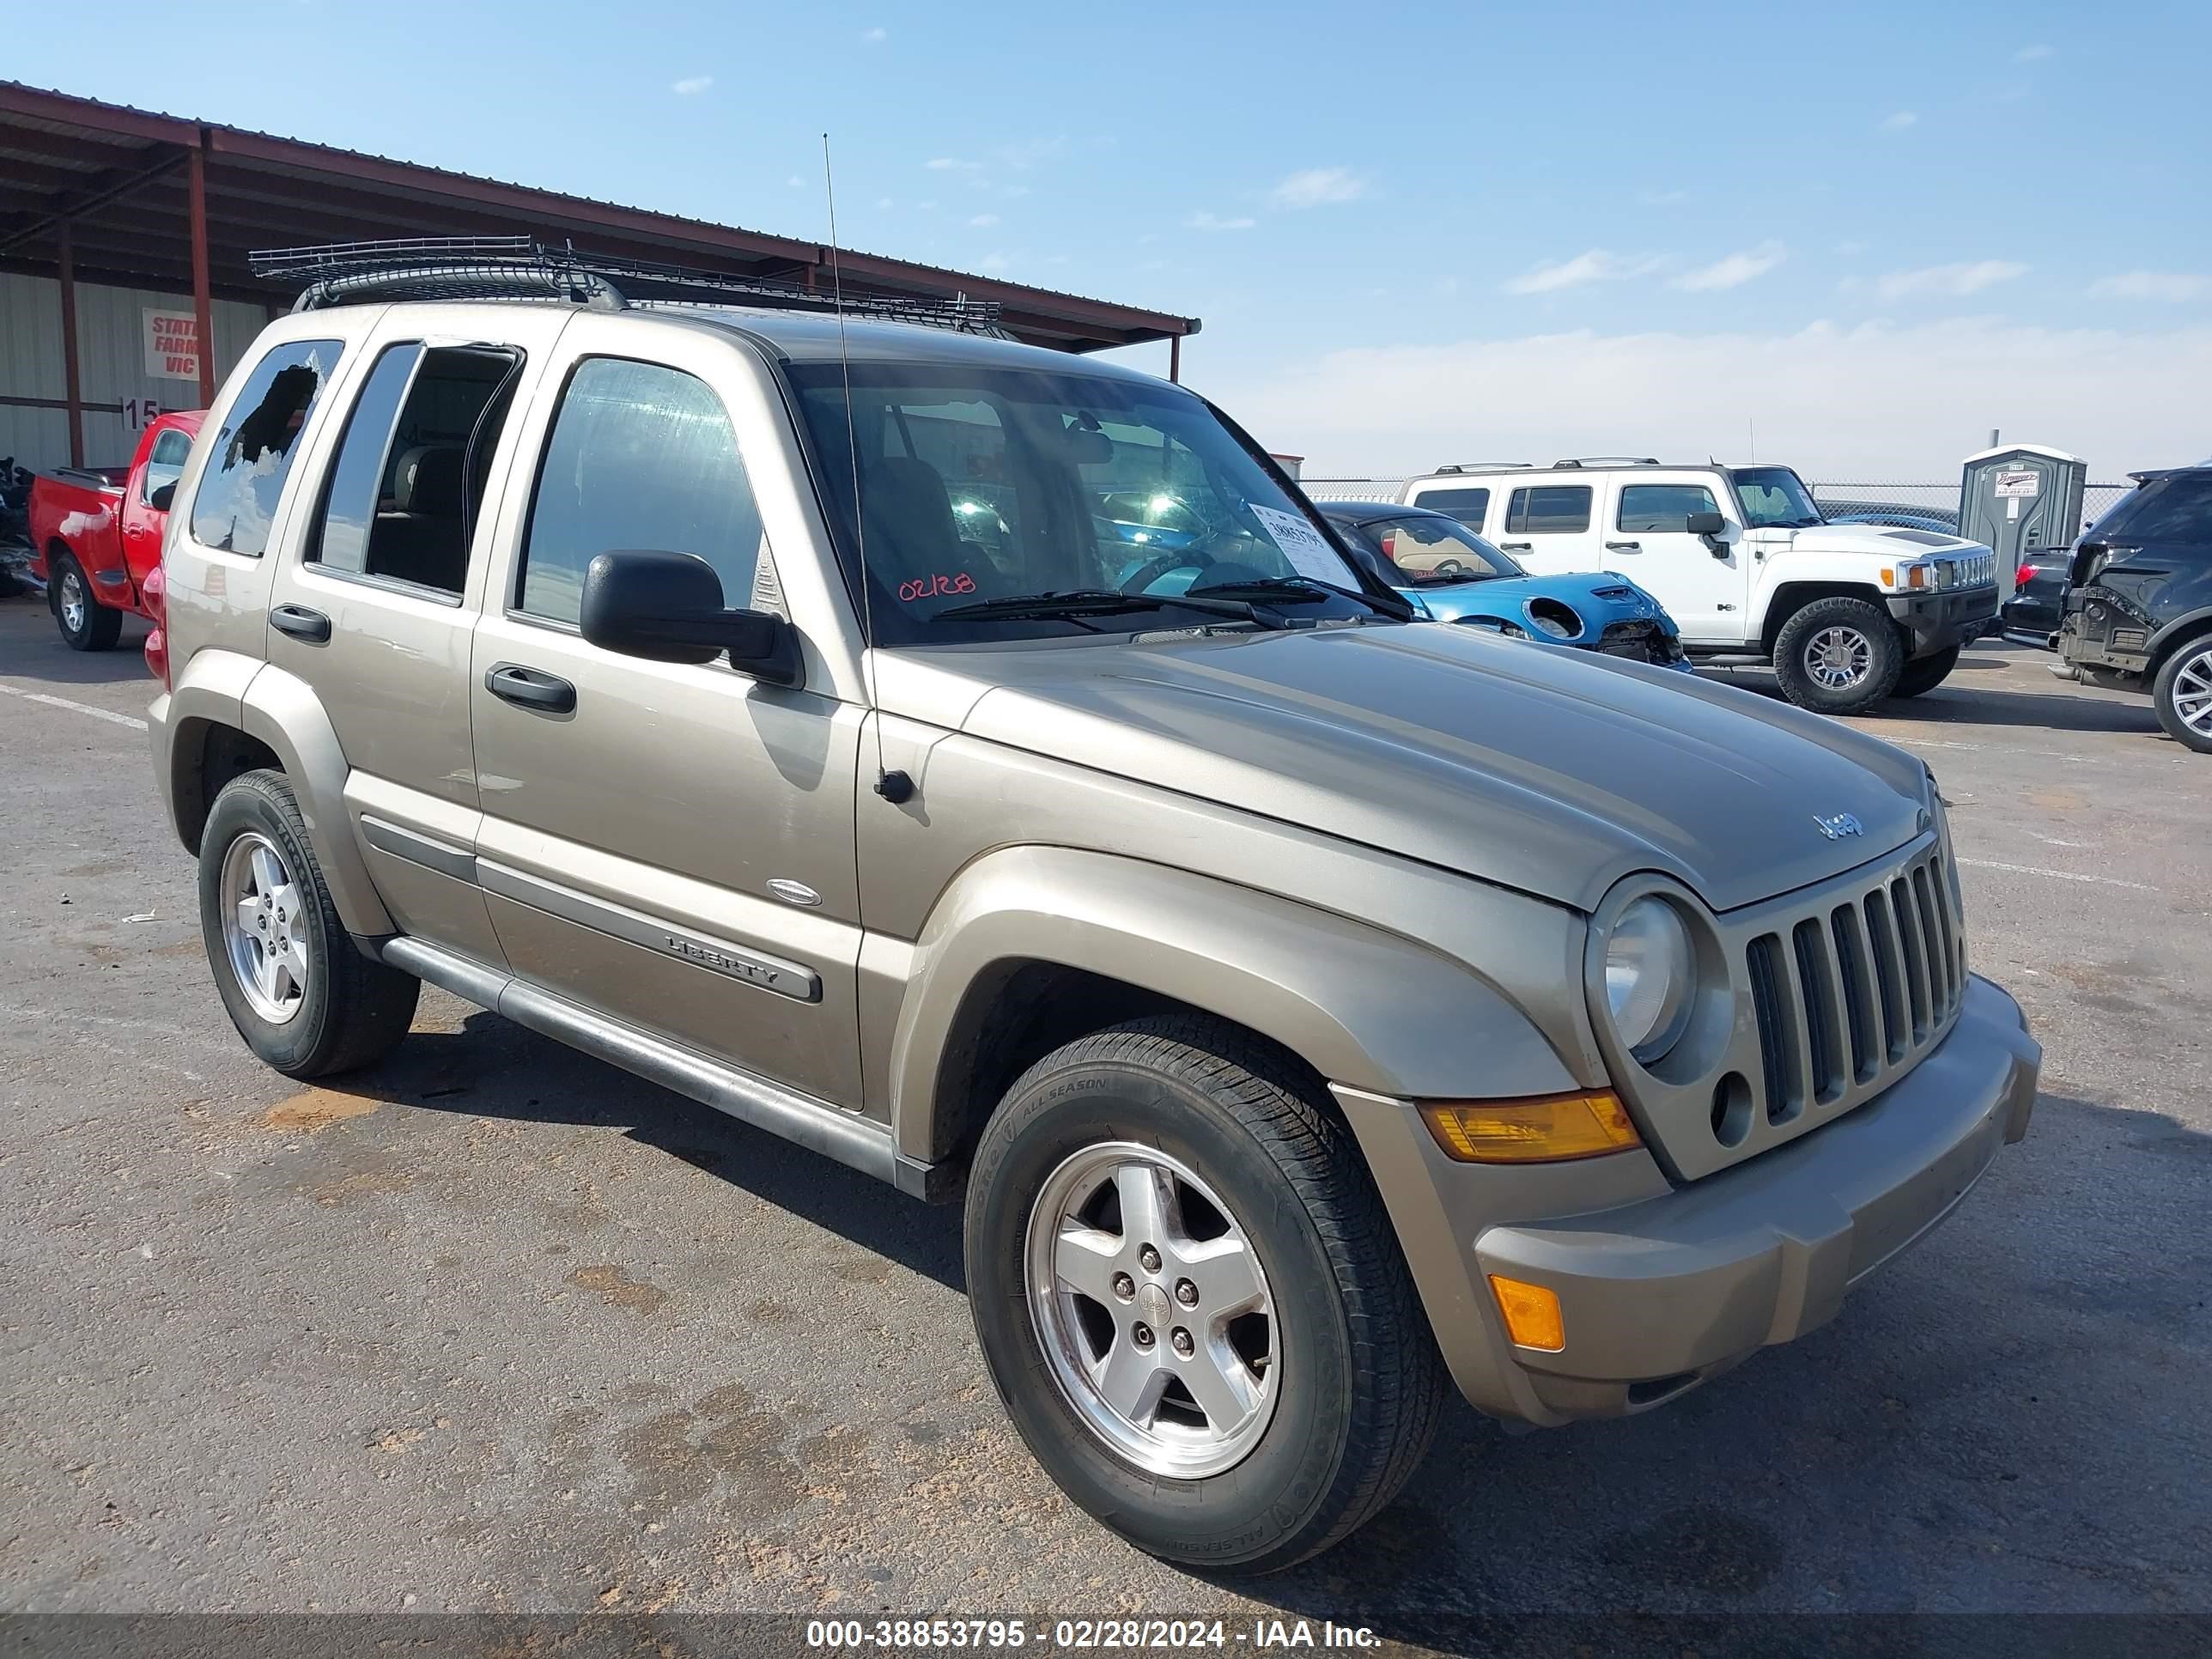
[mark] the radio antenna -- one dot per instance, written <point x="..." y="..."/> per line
<point x="896" y="788"/>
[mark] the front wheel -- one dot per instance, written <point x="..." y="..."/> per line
<point x="1190" y="1298"/>
<point x="2182" y="695"/>
<point x="1838" y="656"/>
<point x="86" y="623"/>
<point x="1926" y="673"/>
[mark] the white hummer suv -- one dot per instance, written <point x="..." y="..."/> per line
<point x="1744" y="562"/>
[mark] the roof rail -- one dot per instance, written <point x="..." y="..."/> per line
<point x="1607" y="460"/>
<point x="1482" y="466"/>
<point x="522" y="267"/>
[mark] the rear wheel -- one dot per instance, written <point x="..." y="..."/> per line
<point x="1926" y="673"/>
<point x="86" y="623"/>
<point x="1838" y="656"/>
<point x="1190" y="1298"/>
<point x="305" y="999"/>
<point x="2182" y="694"/>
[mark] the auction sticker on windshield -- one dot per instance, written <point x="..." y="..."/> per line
<point x="1302" y="544"/>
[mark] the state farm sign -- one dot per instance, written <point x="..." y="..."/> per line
<point x="173" y="345"/>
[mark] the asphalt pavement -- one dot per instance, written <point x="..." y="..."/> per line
<point x="496" y="1327"/>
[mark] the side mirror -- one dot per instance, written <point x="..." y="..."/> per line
<point x="160" y="499"/>
<point x="667" y="607"/>
<point x="1705" y="524"/>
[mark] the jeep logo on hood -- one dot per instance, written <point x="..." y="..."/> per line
<point x="1838" y="827"/>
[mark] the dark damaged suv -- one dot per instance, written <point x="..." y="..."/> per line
<point x="2139" y="606"/>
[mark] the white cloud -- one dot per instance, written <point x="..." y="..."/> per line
<point x="1953" y="280"/>
<point x="983" y="220"/>
<point x="1898" y="123"/>
<point x="1734" y="269"/>
<point x="874" y="37"/>
<point x="1204" y="221"/>
<point x="951" y="164"/>
<point x="2172" y="285"/>
<point x="1662" y="198"/>
<point x="885" y="202"/>
<point x="795" y="182"/>
<point x="1318" y="186"/>
<point x="2033" y="54"/>
<point x="1597" y="266"/>
<point x="1872" y="401"/>
<point x="691" y="85"/>
<point x="991" y="262"/>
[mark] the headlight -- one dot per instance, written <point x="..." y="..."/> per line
<point x="1648" y="969"/>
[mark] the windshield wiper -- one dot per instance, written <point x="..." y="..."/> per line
<point x="1304" y="590"/>
<point x="1098" y="602"/>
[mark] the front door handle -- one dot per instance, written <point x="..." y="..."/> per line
<point x="1518" y="547"/>
<point x="301" y="623"/>
<point x="1624" y="547"/>
<point x="512" y="683"/>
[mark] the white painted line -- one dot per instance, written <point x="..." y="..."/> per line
<point x="132" y="721"/>
<point x="2057" y="875"/>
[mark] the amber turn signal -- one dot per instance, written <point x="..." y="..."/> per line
<point x="1532" y="1314"/>
<point x="1545" y="1129"/>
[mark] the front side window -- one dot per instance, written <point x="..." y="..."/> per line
<point x="165" y="466"/>
<point x="252" y="456"/>
<point x="1469" y="507"/>
<point x="978" y="482"/>
<point x="1774" y="498"/>
<point x="1548" y="510"/>
<point x="1663" y="509"/>
<point x="410" y="475"/>
<point x="641" y="456"/>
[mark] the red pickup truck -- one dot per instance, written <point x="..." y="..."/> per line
<point x="96" y="535"/>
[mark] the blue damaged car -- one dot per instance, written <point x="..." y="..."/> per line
<point x="1448" y="574"/>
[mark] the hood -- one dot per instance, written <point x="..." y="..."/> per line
<point x="1876" y="540"/>
<point x="1553" y="772"/>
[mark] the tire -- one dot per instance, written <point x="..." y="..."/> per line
<point x="1349" y="1383"/>
<point x="70" y="592"/>
<point x="1857" y="630"/>
<point x="350" y="1010"/>
<point x="1925" y="673"/>
<point x="2182" y="694"/>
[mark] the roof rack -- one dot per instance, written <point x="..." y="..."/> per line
<point x="1482" y="466"/>
<point x="523" y="268"/>
<point x="1606" y="460"/>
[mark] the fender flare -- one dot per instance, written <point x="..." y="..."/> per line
<point x="1369" y="1009"/>
<point x="282" y="710"/>
<point x="2181" y="628"/>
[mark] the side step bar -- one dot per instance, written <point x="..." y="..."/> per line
<point x="858" y="1143"/>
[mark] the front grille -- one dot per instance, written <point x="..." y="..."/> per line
<point x="1849" y="997"/>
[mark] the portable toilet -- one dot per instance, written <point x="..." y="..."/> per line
<point x="2020" y="498"/>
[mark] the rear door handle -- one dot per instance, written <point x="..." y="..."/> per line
<point x="1518" y="547"/>
<point x="1624" y="547"/>
<point x="301" y="623"/>
<point x="511" y="683"/>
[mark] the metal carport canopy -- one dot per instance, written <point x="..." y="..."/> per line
<point x="113" y="194"/>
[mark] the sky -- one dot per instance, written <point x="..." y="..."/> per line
<point x="1853" y="238"/>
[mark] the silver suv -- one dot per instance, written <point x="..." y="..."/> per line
<point x="1312" y="1007"/>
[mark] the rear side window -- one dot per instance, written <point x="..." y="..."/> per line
<point x="165" y="466"/>
<point x="640" y="455"/>
<point x="1658" y="508"/>
<point x="252" y="456"/>
<point x="404" y="490"/>
<point x="2163" y="510"/>
<point x="1548" y="510"/>
<point x="1469" y="507"/>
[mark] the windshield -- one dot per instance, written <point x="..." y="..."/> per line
<point x="1774" y="498"/>
<point x="1425" y="551"/>
<point x="980" y="483"/>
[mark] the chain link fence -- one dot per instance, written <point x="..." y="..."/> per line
<point x="1932" y="506"/>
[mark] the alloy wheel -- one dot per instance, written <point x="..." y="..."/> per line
<point x="1839" y="658"/>
<point x="1153" y="1311"/>
<point x="72" y="602"/>
<point x="264" y="934"/>
<point x="2192" y="692"/>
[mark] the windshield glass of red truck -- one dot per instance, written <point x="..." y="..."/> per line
<point x="979" y="483"/>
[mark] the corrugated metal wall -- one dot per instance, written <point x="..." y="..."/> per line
<point x="111" y="328"/>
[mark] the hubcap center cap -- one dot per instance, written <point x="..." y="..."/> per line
<point x="1152" y="1305"/>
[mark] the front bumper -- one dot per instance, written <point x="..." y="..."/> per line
<point x="1940" y="620"/>
<point x="1661" y="1292"/>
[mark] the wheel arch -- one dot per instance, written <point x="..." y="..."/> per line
<point x="1787" y="599"/>
<point x="1033" y="946"/>
<point x="2169" y="639"/>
